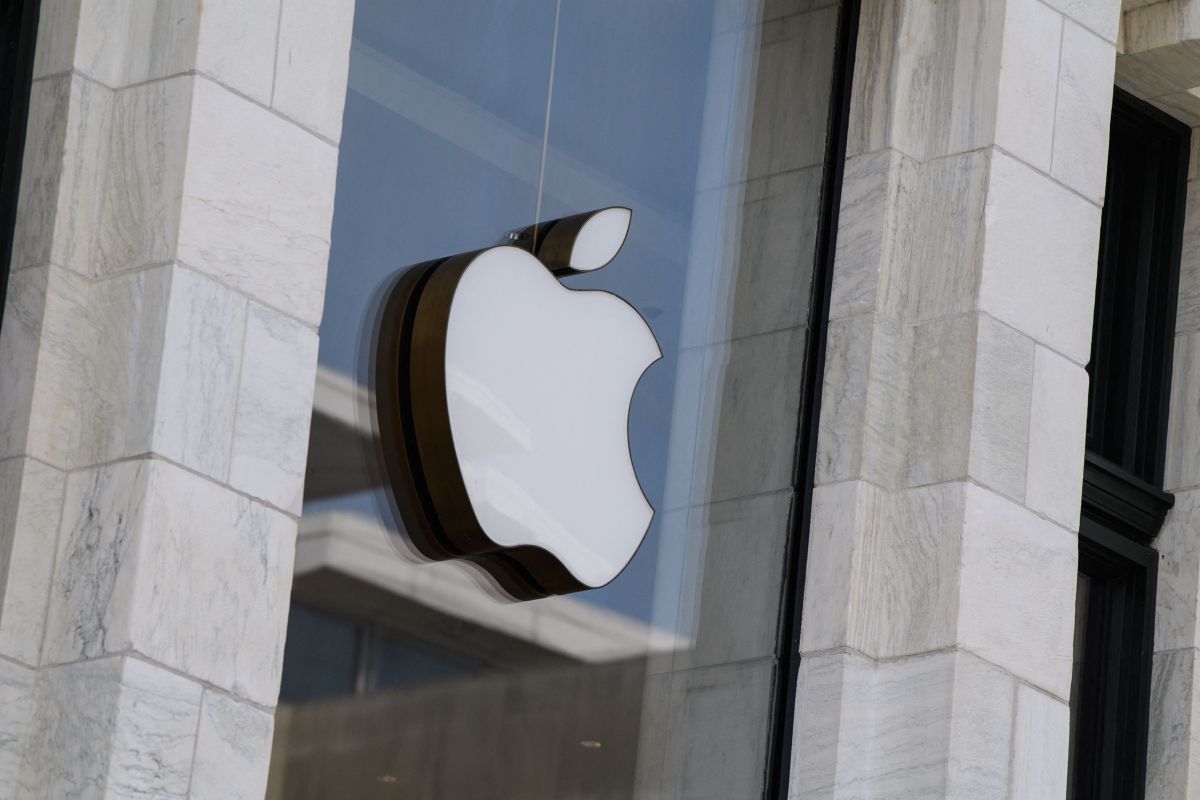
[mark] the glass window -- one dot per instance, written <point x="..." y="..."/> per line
<point x="468" y="121"/>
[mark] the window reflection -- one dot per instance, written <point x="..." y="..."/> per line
<point x="465" y="121"/>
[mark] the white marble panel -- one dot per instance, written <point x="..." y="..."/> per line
<point x="31" y="496"/>
<point x="844" y="517"/>
<point x="99" y="350"/>
<point x="1028" y="78"/>
<point x="1172" y="769"/>
<point x="883" y="569"/>
<point x="1101" y="16"/>
<point x="140" y="215"/>
<point x="1187" y="319"/>
<point x="20" y="331"/>
<point x="871" y="230"/>
<point x="122" y="42"/>
<point x="274" y="407"/>
<point x="906" y="586"/>
<point x="1004" y="367"/>
<point x="1010" y="553"/>
<point x="941" y="375"/>
<point x="16" y="704"/>
<point x="257" y="203"/>
<point x="941" y="238"/>
<point x="1039" y="258"/>
<point x="1183" y="427"/>
<point x="946" y="90"/>
<point x="939" y="726"/>
<point x="233" y="750"/>
<point x="841" y="438"/>
<point x="312" y="63"/>
<point x="1081" y="118"/>
<point x="161" y="561"/>
<point x="41" y="171"/>
<point x="117" y="727"/>
<point x="979" y="731"/>
<point x="66" y="155"/>
<point x="237" y="43"/>
<point x="832" y="727"/>
<point x="1057" y="422"/>
<point x="876" y="93"/>
<point x="1041" y="737"/>
<point x="58" y="26"/>
<point x="1178" y="575"/>
<point x="198" y="378"/>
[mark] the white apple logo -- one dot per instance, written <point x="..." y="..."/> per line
<point x="513" y="450"/>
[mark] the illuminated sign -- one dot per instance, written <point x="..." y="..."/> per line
<point x="503" y="407"/>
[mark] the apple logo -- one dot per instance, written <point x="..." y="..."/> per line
<point x="502" y="406"/>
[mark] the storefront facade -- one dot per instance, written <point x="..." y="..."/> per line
<point x="922" y="291"/>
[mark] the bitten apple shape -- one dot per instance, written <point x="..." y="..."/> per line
<point x="504" y="408"/>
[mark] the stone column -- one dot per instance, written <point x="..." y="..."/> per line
<point x="158" y="355"/>
<point x="940" y="592"/>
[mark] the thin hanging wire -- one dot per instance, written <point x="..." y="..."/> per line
<point x="537" y="214"/>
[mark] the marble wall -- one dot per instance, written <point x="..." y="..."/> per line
<point x="939" y="600"/>
<point x="159" y="353"/>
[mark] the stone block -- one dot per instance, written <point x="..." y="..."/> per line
<point x="1172" y="771"/>
<point x="871" y="231"/>
<point x="31" y="496"/>
<point x="1187" y="318"/>
<point x="138" y="221"/>
<point x="16" y="705"/>
<point x="1041" y="739"/>
<point x="938" y="405"/>
<point x="1004" y="368"/>
<point x="1057" y="422"/>
<point x="274" y="408"/>
<point x="233" y="750"/>
<point x="236" y="43"/>
<point x="1178" y="575"/>
<point x="1017" y="592"/>
<point x="160" y="561"/>
<point x="198" y="377"/>
<point x="115" y="727"/>
<point x="1182" y="469"/>
<point x="1085" y="92"/>
<point x="1029" y="60"/>
<point x="62" y="179"/>
<point x="97" y="345"/>
<point x="1039" y="258"/>
<point x="312" y="63"/>
<point x="1100" y="16"/>
<point x="257" y="202"/>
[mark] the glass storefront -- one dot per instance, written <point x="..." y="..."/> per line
<point x="467" y="121"/>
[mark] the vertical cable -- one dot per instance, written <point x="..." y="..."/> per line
<point x="537" y="213"/>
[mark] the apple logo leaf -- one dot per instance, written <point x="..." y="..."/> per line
<point x="503" y="406"/>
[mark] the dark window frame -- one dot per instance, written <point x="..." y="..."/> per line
<point x="787" y="652"/>
<point x="1123" y="503"/>
<point x="18" y="38"/>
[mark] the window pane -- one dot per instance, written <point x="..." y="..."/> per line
<point x="465" y="122"/>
